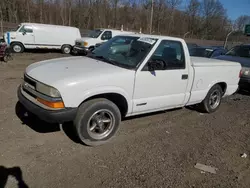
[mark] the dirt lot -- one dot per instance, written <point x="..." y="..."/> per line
<point x="157" y="150"/>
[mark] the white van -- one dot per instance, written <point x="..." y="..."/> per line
<point x="86" y="44"/>
<point x="33" y="35"/>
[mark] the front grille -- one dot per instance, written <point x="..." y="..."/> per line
<point x="78" y="44"/>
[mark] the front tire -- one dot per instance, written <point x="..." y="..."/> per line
<point x="97" y="121"/>
<point x="17" y="47"/>
<point x="213" y="99"/>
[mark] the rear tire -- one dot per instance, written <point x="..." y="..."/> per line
<point x="66" y="49"/>
<point x="17" y="47"/>
<point x="97" y="121"/>
<point x="213" y="100"/>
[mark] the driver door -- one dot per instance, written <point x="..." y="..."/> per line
<point x="106" y="36"/>
<point x="26" y="35"/>
<point x="162" y="88"/>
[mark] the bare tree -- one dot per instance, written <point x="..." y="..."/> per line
<point x="241" y="22"/>
<point x="1" y="17"/>
<point x="41" y="5"/>
<point x="213" y="15"/>
<point x="203" y="18"/>
<point x="173" y="4"/>
<point x="28" y="10"/>
<point x="193" y="12"/>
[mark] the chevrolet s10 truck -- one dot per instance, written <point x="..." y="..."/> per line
<point x="126" y="76"/>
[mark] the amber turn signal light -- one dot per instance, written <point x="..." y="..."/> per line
<point x="57" y="104"/>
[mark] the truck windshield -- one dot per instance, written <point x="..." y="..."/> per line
<point x="240" y="51"/>
<point x="94" y="33"/>
<point x="124" y="51"/>
<point x="18" y="27"/>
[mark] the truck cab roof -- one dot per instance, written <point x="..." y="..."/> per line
<point x="159" y="37"/>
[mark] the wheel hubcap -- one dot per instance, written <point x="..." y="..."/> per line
<point x="67" y="50"/>
<point x="17" y="48"/>
<point x="100" y="124"/>
<point x="214" y="99"/>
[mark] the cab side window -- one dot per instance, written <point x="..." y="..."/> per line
<point x="26" y="29"/>
<point x="106" y="35"/>
<point x="170" y="53"/>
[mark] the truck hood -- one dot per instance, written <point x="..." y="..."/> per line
<point x="12" y="33"/>
<point x="245" y="62"/>
<point x="72" y="70"/>
<point x="89" y="40"/>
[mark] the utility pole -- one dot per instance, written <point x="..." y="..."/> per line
<point x="151" y="16"/>
<point x="232" y="31"/>
<point x="225" y="43"/>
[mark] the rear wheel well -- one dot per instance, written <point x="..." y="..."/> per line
<point x="223" y="86"/>
<point x="116" y="98"/>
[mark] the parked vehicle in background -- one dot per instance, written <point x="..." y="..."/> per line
<point x="2" y="40"/>
<point x="220" y="47"/>
<point x="208" y="52"/>
<point x="99" y="44"/>
<point x="241" y="54"/>
<point x="42" y="36"/>
<point x="126" y="76"/>
<point x="5" y="53"/>
<point x="191" y="45"/>
<point x="97" y="36"/>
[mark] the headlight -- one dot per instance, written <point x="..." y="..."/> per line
<point x="47" y="90"/>
<point x="85" y="44"/>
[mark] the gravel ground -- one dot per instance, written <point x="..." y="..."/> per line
<point x="156" y="150"/>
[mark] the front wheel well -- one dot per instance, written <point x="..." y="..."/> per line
<point x="116" y="98"/>
<point x="16" y="42"/>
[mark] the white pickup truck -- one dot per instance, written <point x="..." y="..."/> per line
<point x="126" y="76"/>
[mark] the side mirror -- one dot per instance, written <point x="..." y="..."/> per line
<point x="24" y="33"/>
<point x="156" y="65"/>
<point x="103" y="37"/>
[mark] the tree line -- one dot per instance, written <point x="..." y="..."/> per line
<point x="205" y="19"/>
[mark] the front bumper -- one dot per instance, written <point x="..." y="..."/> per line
<point x="50" y="116"/>
<point x="80" y="50"/>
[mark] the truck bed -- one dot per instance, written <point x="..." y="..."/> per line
<point x="208" y="71"/>
<point x="205" y="62"/>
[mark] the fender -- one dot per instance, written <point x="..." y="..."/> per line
<point x="81" y="97"/>
<point x="215" y="82"/>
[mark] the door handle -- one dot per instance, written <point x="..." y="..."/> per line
<point x="184" y="77"/>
